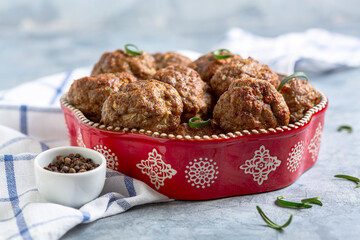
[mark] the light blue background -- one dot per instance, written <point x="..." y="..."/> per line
<point x="42" y="37"/>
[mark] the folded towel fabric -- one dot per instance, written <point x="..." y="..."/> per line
<point x="315" y="50"/>
<point x="25" y="215"/>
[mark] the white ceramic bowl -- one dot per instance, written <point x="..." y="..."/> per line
<point x="69" y="189"/>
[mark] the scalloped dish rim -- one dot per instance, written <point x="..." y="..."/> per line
<point x="230" y="135"/>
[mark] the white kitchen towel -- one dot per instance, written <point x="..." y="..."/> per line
<point x="315" y="50"/>
<point x="25" y="215"/>
<point x="33" y="108"/>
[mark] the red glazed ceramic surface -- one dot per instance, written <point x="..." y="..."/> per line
<point x="205" y="168"/>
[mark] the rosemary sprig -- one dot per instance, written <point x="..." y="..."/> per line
<point x="289" y="204"/>
<point x="134" y="52"/>
<point x="314" y="200"/>
<point x="294" y="75"/>
<point x="271" y="223"/>
<point x="354" y="179"/>
<point x="194" y="124"/>
<point x="218" y="54"/>
<point x="346" y="128"/>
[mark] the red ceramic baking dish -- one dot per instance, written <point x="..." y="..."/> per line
<point x="208" y="167"/>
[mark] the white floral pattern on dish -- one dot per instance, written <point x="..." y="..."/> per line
<point x="261" y="165"/>
<point x="295" y="156"/>
<point x="201" y="173"/>
<point x="111" y="158"/>
<point x="156" y="169"/>
<point x="314" y="145"/>
<point x="79" y="139"/>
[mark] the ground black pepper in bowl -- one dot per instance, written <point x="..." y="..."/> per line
<point x="73" y="163"/>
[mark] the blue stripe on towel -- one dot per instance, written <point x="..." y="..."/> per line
<point x="18" y="139"/>
<point x="60" y="88"/>
<point x="111" y="198"/>
<point x="47" y="85"/>
<point x="16" y="197"/>
<point x="16" y="214"/>
<point x="24" y="156"/>
<point x="121" y="202"/>
<point x="23" y="119"/>
<point x="33" y="109"/>
<point x="86" y="216"/>
<point x="129" y="183"/>
<point x="124" y="204"/>
<point x="11" y="185"/>
<point x="20" y="157"/>
<point x="46" y="222"/>
<point x="14" y="140"/>
<point x="44" y="146"/>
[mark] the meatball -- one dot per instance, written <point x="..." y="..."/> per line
<point x="195" y="93"/>
<point x="89" y="93"/>
<point x="162" y="60"/>
<point x="237" y="69"/>
<point x="141" y="66"/>
<point x="150" y="105"/>
<point x="207" y="64"/>
<point x="300" y="96"/>
<point x="251" y="104"/>
<point x="209" y="130"/>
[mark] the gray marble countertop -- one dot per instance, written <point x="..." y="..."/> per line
<point x="237" y="217"/>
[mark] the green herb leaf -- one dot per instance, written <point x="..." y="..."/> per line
<point x="218" y="54"/>
<point x="284" y="203"/>
<point x="194" y="124"/>
<point x="128" y="50"/>
<point x="271" y="223"/>
<point x="346" y="128"/>
<point x="313" y="200"/>
<point x="354" y="179"/>
<point x="294" y="75"/>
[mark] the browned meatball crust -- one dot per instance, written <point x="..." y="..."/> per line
<point x="150" y="105"/>
<point x="89" y="93"/>
<point x="237" y="69"/>
<point x="212" y="129"/>
<point x="300" y="96"/>
<point x="195" y="93"/>
<point x="163" y="60"/>
<point x="207" y="64"/>
<point x="141" y="66"/>
<point x="252" y="104"/>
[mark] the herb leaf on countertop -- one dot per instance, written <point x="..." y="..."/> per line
<point x="289" y="204"/>
<point x="346" y="128"/>
<point x="271" y="223"/>
<point x="314" y="200"/>
<point x="350" y="178"/>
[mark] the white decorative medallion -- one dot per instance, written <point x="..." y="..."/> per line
<point x="111" y="158"/>
<point x="156" y="169"/>
<point x="314" y="145"/>
<point x="79" y="139"/>
<point x="201" y="173"/>
<point x="261" y="165"/>
<point x="295" y="156"/>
